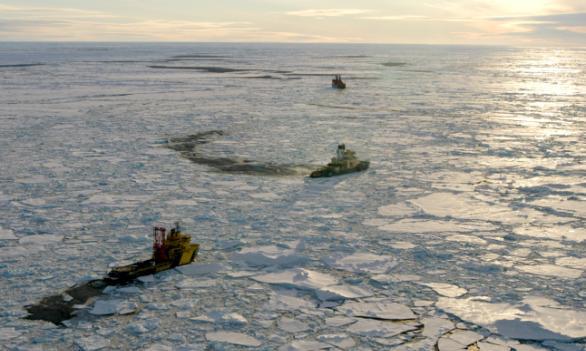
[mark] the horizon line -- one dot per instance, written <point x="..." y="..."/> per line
<point x="278" y="43"/>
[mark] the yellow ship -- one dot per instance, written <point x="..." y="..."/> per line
<point x="169" y="250"/>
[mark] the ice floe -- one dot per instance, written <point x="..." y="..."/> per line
<point x="271" y="255"/>
<point x="361" y="262"/>
<point x="402" y="245"/>
<point x="466" y="239"/>
<point x="381" y="329"/>
<point x="305" y="345"/>
<point x="7" y="234"/>
<point x="9" y="333"/>
<point x="342" y="341"/>
<point x="383" y="309"/>
<point x="233" y="338"/>
<point x="551" y="270"/>
<point x="573" y="262"/>
<point x="291" y="325"/>
<point x="324" y="286"/>
<point x="42" y="239"/>
<point x="395" y="210"/>
<point x="536" y="318"/>
<point x="464" y="207"/>
<point x="109" y="307"/>
<point x="199" y="269"/>
<point x="193" y="283"/>
<point x="232" y="318"/>
<point x="92" y="343"/>
<point x="458" y="340"/>
<point x="559" y="204"/>
<point x="446" y="289"/>
<point x="560" y="232"/>
<point x="434" y="226"/>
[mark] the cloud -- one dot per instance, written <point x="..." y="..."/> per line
<point x="67" y="24"/>
<point x="567" y="28"/>
<point x="397" y="18"/>
<point x="327" y="12"/>
<point x="41" y="13"/>
<point x="417" y="18"/>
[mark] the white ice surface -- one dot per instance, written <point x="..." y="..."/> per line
<point x="7" y="234"/>
<point x="271" y="255"/>
<point x="536" y="319"/>
<point x="387" y="310"/>
<point x="362" y="262"/>
<point x="445" y="289"/>
<point x="233" y="338"/>
<point x="324" y="286"/>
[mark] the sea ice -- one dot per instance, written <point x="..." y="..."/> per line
<point x="192" y="283"/>
<point x="233" y="338"/>
<point x="576" y="207"/>
<point x="325" y="286"/>
<point x="487" y="346"/>
<point x="536" y="319"/>
<point x="458" y="340"/>
<point x="388" y="278"/>
<point x="292" y="326"/>
<point x="143" y="326"/>
<point x="288" y="300"/>
<point x="199" y="269"/>
<point x="402" y="245"/>
<point x="7" y="234"/>
<point x="9" y="333"/>
<point x="465" y="207"/>
<point x="445" y="289"/>
<point x="342" y="341"/>
<point x="268" y="196"/>
<point x="92" y="343"/>
<point x="108" y="307"/>
<point x="573" y="262"/>
<point x="305" y="345"/>
<point x="298" y="278"/>
<point x="42" y="239"/>
<point x="340" y="292"/>
<point x="467" y="239"/>
<point x="559" y="232"/>
<point x="382" y="329"/>
<point x="232" y="318"/>
<point x="396" y="210"/>
<point x="551" y="270"/>
<point x="339" y="321"/>
<point x="433" y="327"/>
<point x="361" y="262"/>
<point x="271" y="255"/>
<point x="432" y="226"/>
<point x="377" y="309"/>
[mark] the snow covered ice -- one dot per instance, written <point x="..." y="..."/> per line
<point x="467" y="231"/>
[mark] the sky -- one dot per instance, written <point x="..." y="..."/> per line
<point x="477" y="22"/>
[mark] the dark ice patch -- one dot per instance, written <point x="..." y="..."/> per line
<point x="22" y="65"/>
<point x="199" y="56"/>
<point x="188" y="147"/>
<point x="209" y="69"/>
<point x="55" y="309"/>
<point x="393" y="64"/>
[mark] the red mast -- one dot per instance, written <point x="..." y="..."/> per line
<point x="159" y="249"/>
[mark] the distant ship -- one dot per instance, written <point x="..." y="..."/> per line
<point x="174" y="249"/>
<point x="337" y="82"/>
<point x="344" y="162"/>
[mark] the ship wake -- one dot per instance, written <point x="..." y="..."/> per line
<point x="188" y="147"/>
